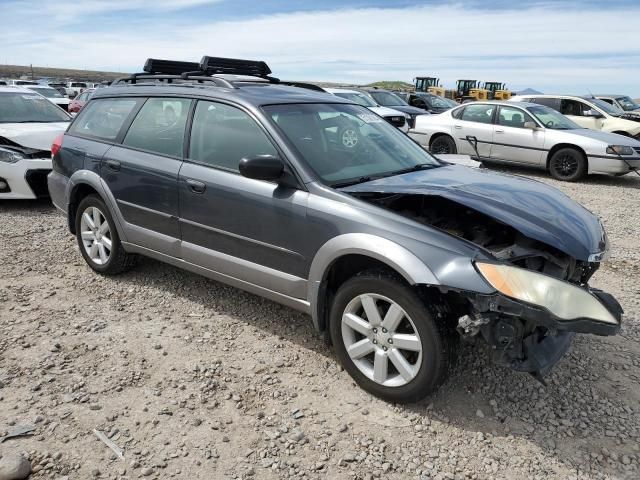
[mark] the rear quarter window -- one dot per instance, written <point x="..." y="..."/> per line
<point x="103" y="118"/>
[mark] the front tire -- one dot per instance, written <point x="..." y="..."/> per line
<point x="443" y="145"/>
<point x="568" y="165"/>
<point x="386" y="338"/>
<point x="98" y="238"/>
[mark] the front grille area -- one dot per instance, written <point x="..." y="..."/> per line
<point x="396" y="120"/>
<point x="37" y="180"/>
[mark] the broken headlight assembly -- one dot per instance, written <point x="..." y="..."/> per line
<point x="10" y="156"/>
<point x="562" y="299"/>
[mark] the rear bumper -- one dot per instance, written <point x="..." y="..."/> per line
<point x="26" y="179"/>
<point x="613" y="165"/>
<point x="58" y="185"/>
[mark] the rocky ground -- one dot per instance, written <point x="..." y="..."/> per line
<point x="196" y="380"/>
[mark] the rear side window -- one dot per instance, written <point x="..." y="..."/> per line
<point x="478" y="113"/>
<point x="547" y="102"/>
<point x="222" y="135"/>
<point x="159" y="126"/>
<point x="103" y="118"/>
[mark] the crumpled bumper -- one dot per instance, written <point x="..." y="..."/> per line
<point x="528" y="338"/>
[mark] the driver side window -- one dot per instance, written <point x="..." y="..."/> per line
<point x="513" y="117"/>
<point x="574" y="107"/>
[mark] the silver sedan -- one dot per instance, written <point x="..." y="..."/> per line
<point x="527" y="134"/>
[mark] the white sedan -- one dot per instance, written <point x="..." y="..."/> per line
<point x="29" y="123"/>
<point x="51" y="94"/>
<point x="527" y="134"/>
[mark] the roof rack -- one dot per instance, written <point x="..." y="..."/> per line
<point x="208" y="70"/>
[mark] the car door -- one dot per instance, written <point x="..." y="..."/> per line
<point x="474" y="120"/>
<point x="142" y="174"/>
<point x="512" y="142"/>
<point x="240" y="227"/>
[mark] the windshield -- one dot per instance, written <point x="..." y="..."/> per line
<point x="47" y="92"/>
<point x="29" y="108"/>
<point x="359" y="98"/>
<point x="552" y="119"/>
<point x="346" y="144"/>
<point x="440" y="102"/>
<point x="607" y="107"/>
<point x="627" y="104"/>
<point x="388" y="99"/>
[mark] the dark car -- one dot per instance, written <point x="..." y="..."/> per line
<point x="389" y="99"/>
<point x="429" y="102"/>
<point x="395" y="254"/>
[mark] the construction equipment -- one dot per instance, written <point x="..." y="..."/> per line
<point x="497" y="90"/>
<point x="467" y="91"/>
<point x="430" y="85"/>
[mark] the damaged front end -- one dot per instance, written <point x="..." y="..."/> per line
<point x="542" y="297"/>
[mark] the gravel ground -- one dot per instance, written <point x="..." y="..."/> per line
<point x="197" y="380"/>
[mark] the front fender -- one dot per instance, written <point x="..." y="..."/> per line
<point x="395" y="256"/>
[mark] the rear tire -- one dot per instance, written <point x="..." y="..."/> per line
<point x="568" y="165"/>
<point x="98" y="238"/>
<point x="443" y="145"/>
<point x="414" y="353"/>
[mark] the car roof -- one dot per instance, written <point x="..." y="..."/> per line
<point x="31" y="87"/>
<point x="250" y="92"/>
<point x="597" y="95"/>
<point x="506" y="103"/>
<point x="342" y="90"/>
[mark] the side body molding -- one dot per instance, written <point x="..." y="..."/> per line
<point x="386" y="251"/>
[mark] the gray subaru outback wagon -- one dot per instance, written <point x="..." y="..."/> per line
<point x="319" y="204"/>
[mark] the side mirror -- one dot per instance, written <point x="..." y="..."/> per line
<point x="592" y="113"/>
<point x="262" y="167"/>
<point x="531" y="125"/>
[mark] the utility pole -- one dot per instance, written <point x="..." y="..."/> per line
<point x="31" y="65"/>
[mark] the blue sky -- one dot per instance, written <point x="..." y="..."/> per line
<point x="554" y="46"/>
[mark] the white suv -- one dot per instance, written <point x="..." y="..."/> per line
<point x="588" y="112"/>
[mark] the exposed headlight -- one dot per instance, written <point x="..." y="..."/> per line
<point x="565" y="301"/>
<point x="10" y="156"/>
<point x="619" y="150"/>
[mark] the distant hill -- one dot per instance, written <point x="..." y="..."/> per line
<point x="391" y="85"/>
<point x="16" y="71"/>
<point x="529" y="91"/>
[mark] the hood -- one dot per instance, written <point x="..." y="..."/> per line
<point x="535" y="209"/>
<point x="407" y="109"/>
<point x="39" y="136"/>
<point x="605" y="137"/>
<point x="386" y="112"/>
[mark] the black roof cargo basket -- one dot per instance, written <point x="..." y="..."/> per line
<point x="170" y="67"/>
<point x="174" y="71"/>
<point x="234" y="66"/>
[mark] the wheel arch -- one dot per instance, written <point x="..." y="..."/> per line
<point x="345" y="255"/>
<point x="83" y="183"/>
<point x="560" y="146"/>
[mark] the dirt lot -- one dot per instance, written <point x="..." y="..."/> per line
<point x="196" y="380"/>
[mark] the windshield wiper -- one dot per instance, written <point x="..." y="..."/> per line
<point x="351" y="182"/>
<point x="415" y="168"/>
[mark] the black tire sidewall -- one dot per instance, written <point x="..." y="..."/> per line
<point x="580" y="171"/>
<point x="434" y="356"/>
<point x="446" y="139"/>
<point x="95" y="201"/>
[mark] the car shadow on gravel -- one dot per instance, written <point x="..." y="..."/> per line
<point x="581" y="417"/>
<point x="40" y="205"/>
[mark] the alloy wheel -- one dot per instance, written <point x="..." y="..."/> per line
<point x="566" y="165"/>
<point x="381" y="340"/>
<point x="96" y="235"/>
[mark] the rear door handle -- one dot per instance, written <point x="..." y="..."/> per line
<point x="457" y="126"/>
<point x="499" y="130"/>
<point x="196" y="186"/>
<point x="113" y="165"/>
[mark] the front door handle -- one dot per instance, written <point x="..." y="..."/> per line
<point x="113" y="165"/>
<point x="457" y="126"/>
<point x="196" y="186"/>
<point x="499" y="130"/>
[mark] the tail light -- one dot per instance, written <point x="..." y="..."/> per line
<point x="57" y="144"/>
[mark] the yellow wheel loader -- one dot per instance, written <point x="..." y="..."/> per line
<point x="497" y="90"/>
<point x="430" y="85"/>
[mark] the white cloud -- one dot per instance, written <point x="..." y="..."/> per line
<point x="546" y="47"/>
